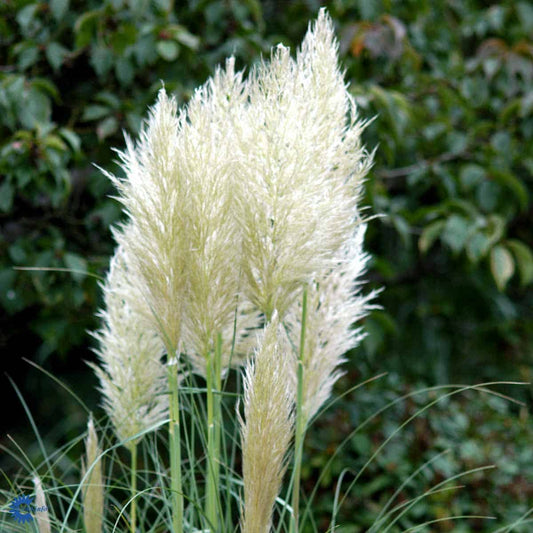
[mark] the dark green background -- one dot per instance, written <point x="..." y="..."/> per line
<point x="450" y="87"/>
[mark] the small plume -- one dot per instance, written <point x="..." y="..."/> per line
<point x="93" y="486"/>
<point x="42" y="516"/>
<point x="131" y="373"/>
<point x="267" y="428"/>
<point x="334" y="305"/>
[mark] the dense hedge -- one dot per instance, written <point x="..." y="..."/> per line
<point x="449" y="85"/>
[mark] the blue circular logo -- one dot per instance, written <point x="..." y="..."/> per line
<point x="20" y="507"/>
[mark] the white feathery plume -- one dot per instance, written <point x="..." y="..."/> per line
<point x="334" y="305"/>
<point x="155" y="193"/>
<point x="183" y="237"/>
<point x="301" y="168"/>
<point x="268" y="426"/>
<point x="132" y="375"/>
<point x="206" y="148"/>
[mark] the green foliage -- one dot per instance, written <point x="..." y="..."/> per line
<point x="449" y="85"/>
<point x="457" y="434"/>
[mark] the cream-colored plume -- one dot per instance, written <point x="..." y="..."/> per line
<point x="334" y="305"/>
<point x="93" y="486"/>
<point x="155" y="193"/>
<point x="183" y="236"/>
<point x="301" y="168"/>
<point x="131" y="373"/>
<point x="268" y="426"/>
<point x="42" y="517"/>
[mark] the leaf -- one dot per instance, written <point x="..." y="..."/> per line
<point x="101" y="60"/>
<point x="456" y="232"/>
<point x="471" y="175"/>
<point x="28" y="57"/>
<point x="477" y="246"/>
<point x="55" y="53"/>
<point x="168" y="50"/>
<point x="35" y="109"/>
<point x="524" y="260"/>
<point x="95" y="112"/>
<point x="502" y="266"/>
<point x="525" y="15"/>
<point x="124" y="71"/>
<point x="77" y="264"/>
<point x="59" y="8"/>
<point x="509" y="180"/>
<point x="72" y="139"/>
<point x="85" y="27"/>
<point x="26" y="15"/>
<point x="46" y="86"/>
<point x="429" y="235"/>
<point x="55" y="142"/>
<point x="106" y="128"/>
<point x="7" y="191"/>
<point x="495" y="228"/>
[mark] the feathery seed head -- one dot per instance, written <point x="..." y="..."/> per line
<point x="132" y="376"/>
<point x="42" y="517"/>
<point x="93" y="487"/>
<point x="334" y="305"/>
<point x="268" y="426"/>
<point x="302" y="163"/>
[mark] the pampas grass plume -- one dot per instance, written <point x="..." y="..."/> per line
<point x="267" y="428"/>
<point x="42" y="517"/>
<point x="93" y="486"/>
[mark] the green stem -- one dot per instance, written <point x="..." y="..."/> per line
<point x="300" y="424"/>
<point x="214" y="422"/>
<point x="175" y="446"/>
<point x="133" y="487"/>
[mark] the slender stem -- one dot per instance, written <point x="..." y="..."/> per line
<point x="175" y="446"/>
<point x="214" y="413"/>
<point x="300" y="424"/>
<point x="133" y="487"/>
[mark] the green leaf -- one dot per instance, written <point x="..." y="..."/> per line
<point x="495" y="228"/>
<point x="456" y="232"/>
<point x="429" y="235"/>
<point x="46" y="86"/>
<point x="183" y="36"/>
<point x="55" y="142"/>
<point x="509" y="180"/>
<point x="85" y="27"/>
<point x="501" y="265"/>
<point x="487" y="195"/>
<point x="106" y="128"/>
<point x="72" y="139"/>
<point x="124" y="71"/>
<point x="101" y="60"/>
<point x="59" y="8"/>
<point x="95" y="112"/>
<point x="7" y="191"/>
<point x="35" y="109"/>
<point x="471" y="175"/>
<point x="26" y="15"/>
<point x="168" y="50"/>
<point x="77" y="264"/>
<point x="525" y="15"/>
<point x="28" y="57"/>
<point x="55" y="53"/>
<point x="477" y="246"/>
<point x="524" y="260"/>
<point x="126" y="35"/>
